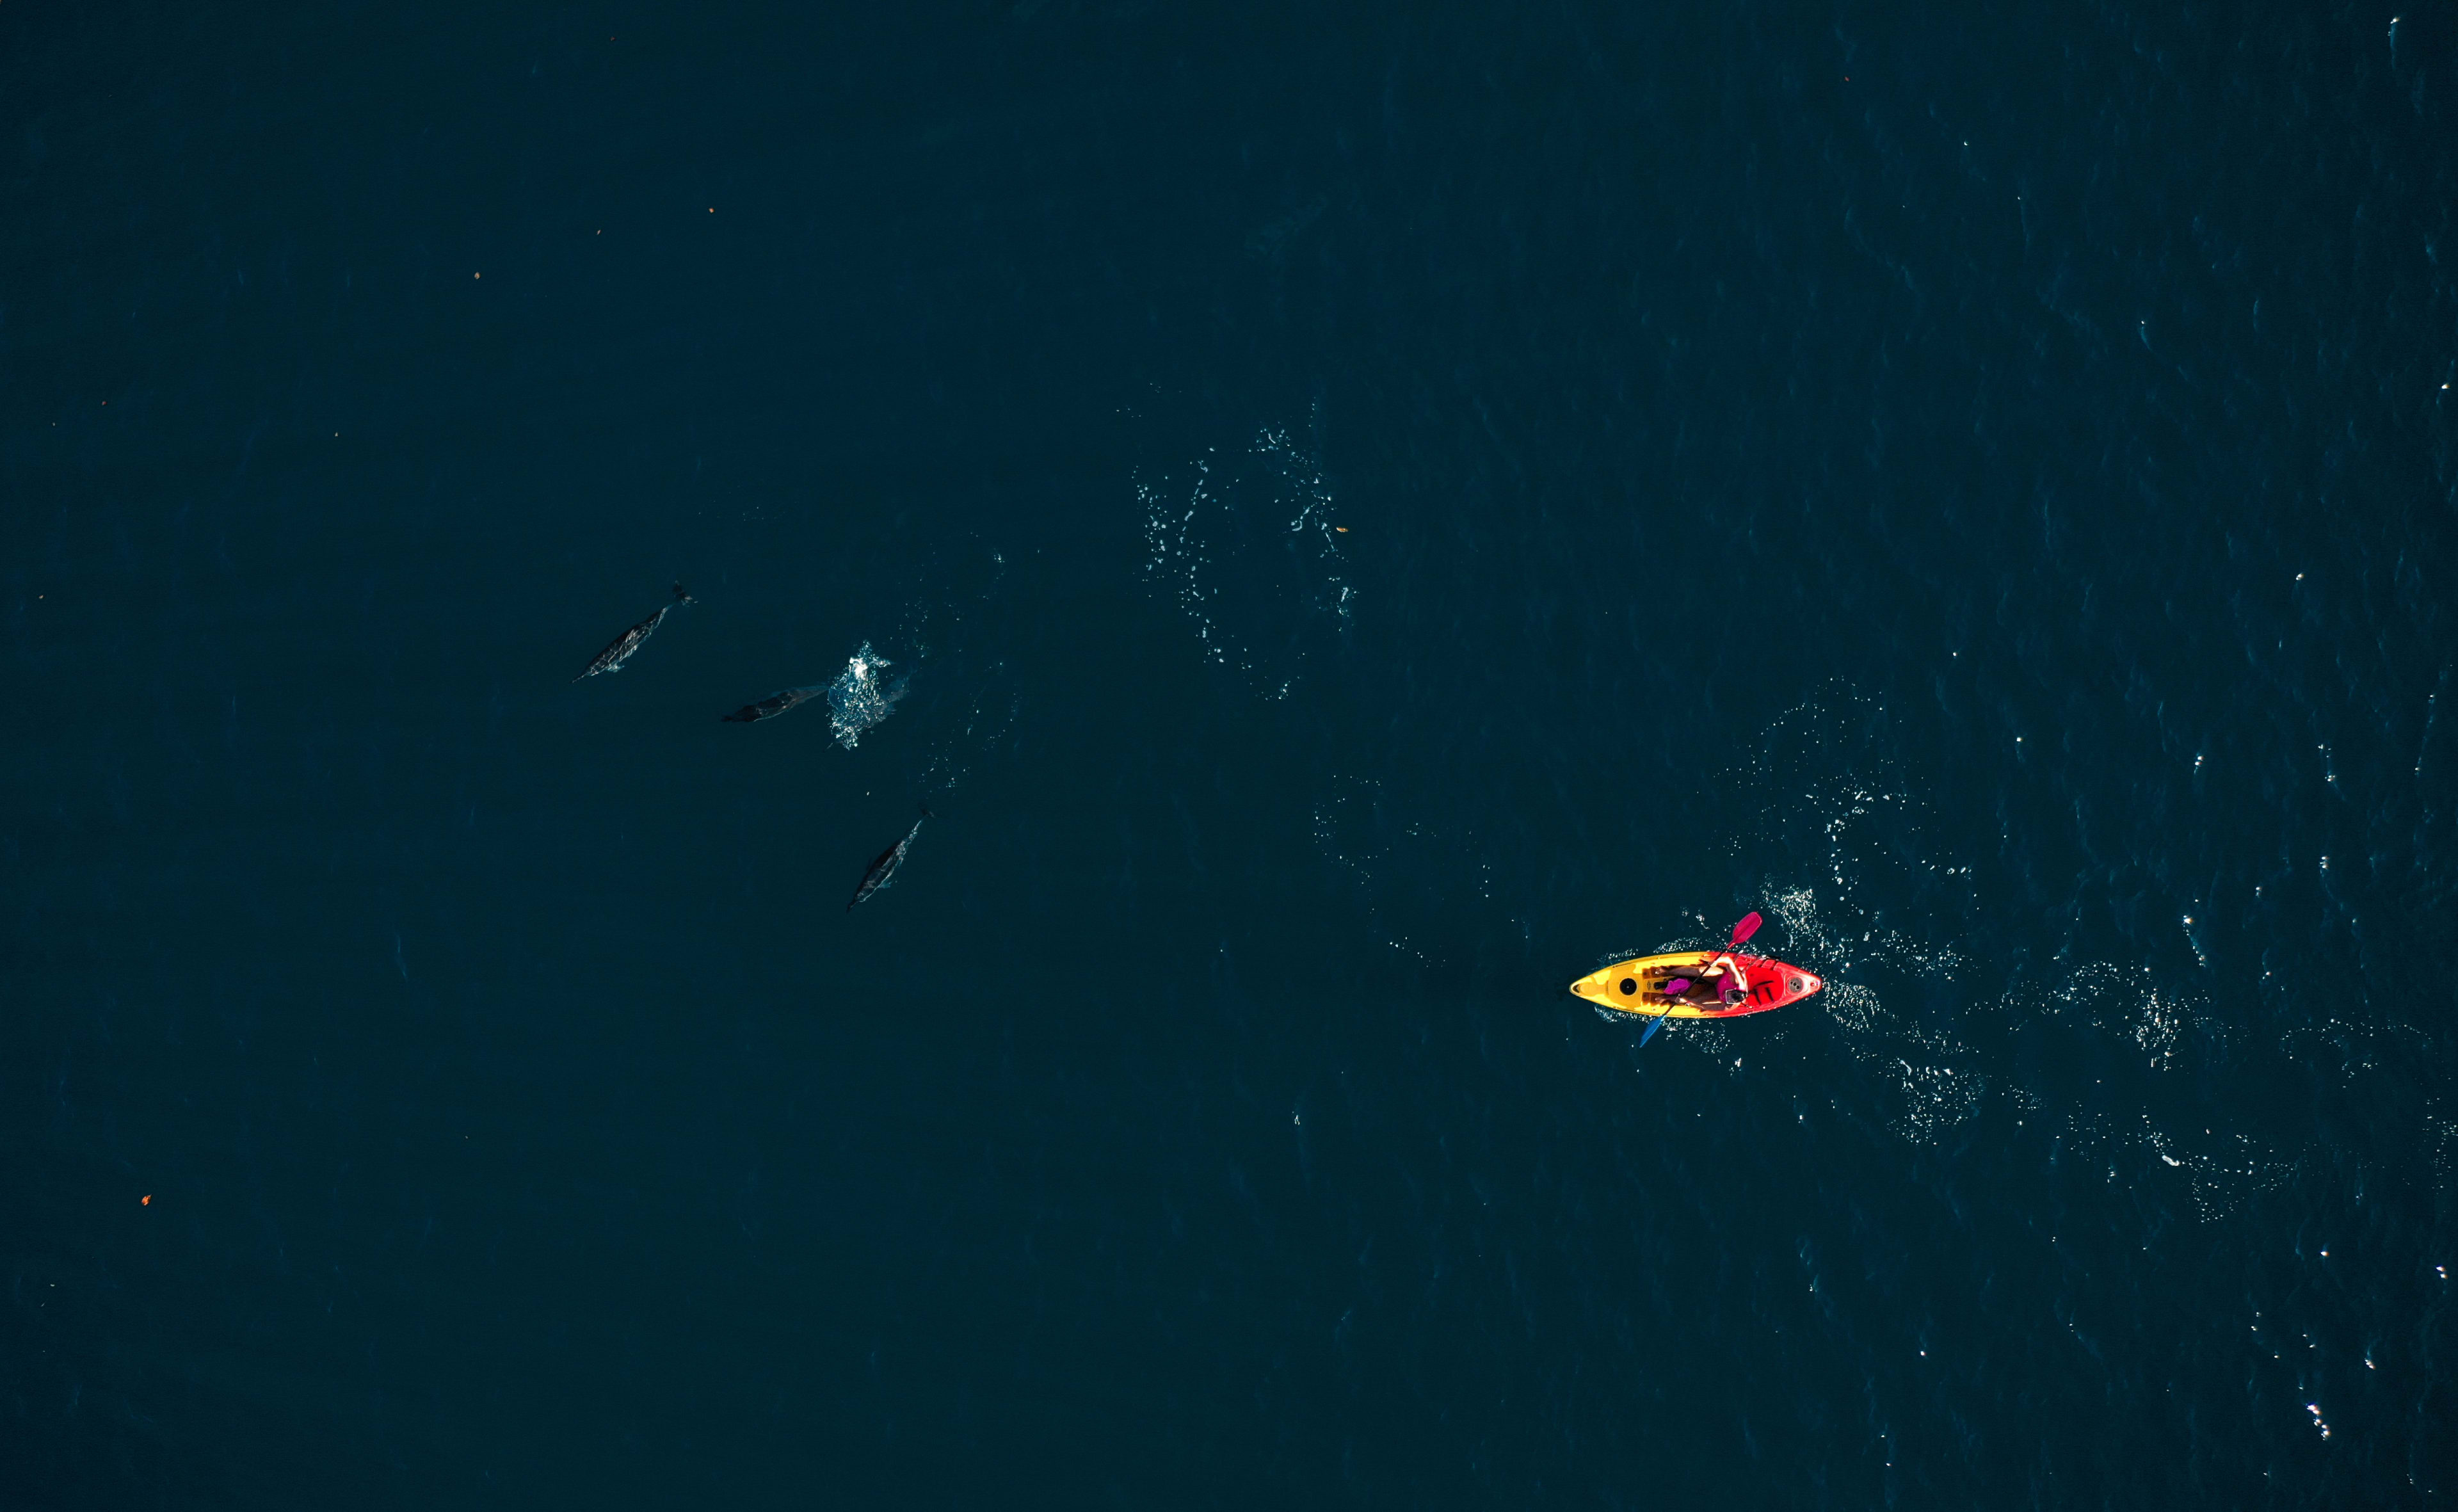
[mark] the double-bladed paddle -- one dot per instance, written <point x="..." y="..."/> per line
<point x="1673" y="989"/>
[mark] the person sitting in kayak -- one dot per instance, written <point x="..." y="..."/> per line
<point x="1724" y="981"/>
<point x="1727" y="981"/>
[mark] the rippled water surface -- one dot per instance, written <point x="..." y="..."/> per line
<point x="1350" y="522"/>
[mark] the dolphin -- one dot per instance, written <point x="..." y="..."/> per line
<point x="774" y="704"/>
<point x="613" y="656"/>
<point x="882" y="868"/>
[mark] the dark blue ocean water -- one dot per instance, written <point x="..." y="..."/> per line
<point x="1382" y="512"/>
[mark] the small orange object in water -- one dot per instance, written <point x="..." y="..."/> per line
<point x="1341" y="528"/>
<point x="145" y="1201"/>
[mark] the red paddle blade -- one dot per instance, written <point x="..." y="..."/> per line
<point x="1747" y="927"/>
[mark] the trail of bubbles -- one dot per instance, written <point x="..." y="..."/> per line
<point x="2081" y="1053"/>
<point x="973" y="700"/>
<point x="989" y="717"/>
<point x="1260" y="600"/>
<point x="1405" y="870"/>
<point x="2442" y="1136"/>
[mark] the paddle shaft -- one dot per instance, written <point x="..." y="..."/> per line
<point x="1741" y="932"/>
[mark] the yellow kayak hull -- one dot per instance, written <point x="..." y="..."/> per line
<point x="1636" y="986"/>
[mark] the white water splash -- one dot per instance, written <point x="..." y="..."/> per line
<point x="859" y="697"/>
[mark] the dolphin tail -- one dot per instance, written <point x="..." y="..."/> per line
<point x="681" y="597"/>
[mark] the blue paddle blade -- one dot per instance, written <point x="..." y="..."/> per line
<point x="1651" y="1031"/>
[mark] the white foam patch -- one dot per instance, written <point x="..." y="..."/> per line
<point x="2220" y="1177"/>
<point x="862" y="695"/>
<point x="1713" y="1040"/>
<point x="1936" y="1097"/>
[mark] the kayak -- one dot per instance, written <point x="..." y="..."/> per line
<point x="1637" y="987"/>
